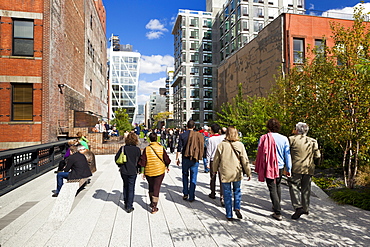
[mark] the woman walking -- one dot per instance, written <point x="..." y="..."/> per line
<point x="154" y="162"/>
<point x="129" y="169"/>
<point x="230" y="160"/>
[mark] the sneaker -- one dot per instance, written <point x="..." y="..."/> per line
<point x="297" y="214"/>
<point x="130" y="210"/>
<point x="185" y="197"/>
<point x="238" y="214"/>
<point x="212" y="196"/>
<point x="277" y="216"/>
<point x="55" y="195"/>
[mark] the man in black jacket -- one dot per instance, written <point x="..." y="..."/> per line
<point x="77" y="167"/>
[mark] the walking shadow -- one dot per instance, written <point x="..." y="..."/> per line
<point x="114" y="197"/>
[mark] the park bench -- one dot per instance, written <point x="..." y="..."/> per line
<point x="65" y="199"/>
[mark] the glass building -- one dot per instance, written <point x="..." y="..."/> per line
<point x="124" y="65"/>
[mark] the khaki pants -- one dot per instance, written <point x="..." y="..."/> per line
<point x="300" y="190"/>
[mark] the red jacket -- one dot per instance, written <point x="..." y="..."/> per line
<point x="266" y="162"/>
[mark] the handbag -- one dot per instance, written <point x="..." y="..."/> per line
<point x="238" y="158"/>
<point x="122" y="159"/>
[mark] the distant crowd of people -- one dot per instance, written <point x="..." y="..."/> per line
<point x="225" y="157"/>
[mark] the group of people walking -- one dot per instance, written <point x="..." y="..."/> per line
<point x="226" y="158"/>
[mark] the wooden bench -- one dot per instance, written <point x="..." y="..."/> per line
<point x="64" y="201"/>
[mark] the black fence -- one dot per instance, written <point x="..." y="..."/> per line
<point x="20" y="165"/>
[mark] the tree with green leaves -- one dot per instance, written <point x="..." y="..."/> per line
<point x="162" y="116"/>
<point x="249" y="116"/>
<point x="122" y="120"/>
<point x="331" y="92"/>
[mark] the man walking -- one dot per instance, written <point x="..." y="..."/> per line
<point x="305" y="153"/>
<point x="213" y="141"/>
<point x="191" y="147"/>
<point x="273" y="155"/>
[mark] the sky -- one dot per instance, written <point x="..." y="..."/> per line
<point x="147" y="26"/>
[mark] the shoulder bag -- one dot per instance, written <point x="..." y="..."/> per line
<point x="122" y="159"/>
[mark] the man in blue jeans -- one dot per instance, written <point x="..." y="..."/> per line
<point x="191" y="147"/>
<point x="76" y="167"/>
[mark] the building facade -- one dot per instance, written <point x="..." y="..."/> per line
<point x="194" y="68"/>
<point x="43" y="68"/>
<point x="124" y="65"/>
<point x="281" y="44"/>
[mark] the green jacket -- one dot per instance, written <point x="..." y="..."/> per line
<point x="303" y="150"/>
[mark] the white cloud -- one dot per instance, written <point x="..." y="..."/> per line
<point x="155" y="64"/>
<point x="156" y="28"/>
<point x="346" y="12"/>
<point x="155" y="24"/>
<point x="147" y="88"/>
<point x="154" y="34"/>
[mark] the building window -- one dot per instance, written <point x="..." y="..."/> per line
<point x="194" y="58"/>
<point x="194" y="34"/>
<point x="23" y="37"/>
<point x="245" y="11"/>
<point x="207" y="58"/>
<point x="22" y="102"/>
<point x="194" y="22"/>
<point x="320" y="47"/>
<point x="298" y="51"/>
<point x="245" y="26"/>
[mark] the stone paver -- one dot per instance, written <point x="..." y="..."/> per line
<point x="97" y="217"/>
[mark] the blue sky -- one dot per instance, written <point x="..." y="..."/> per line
<point x="147" y="25"/>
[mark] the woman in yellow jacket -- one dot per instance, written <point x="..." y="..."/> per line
<point x="154" y="162"/>
<point x="231" y="161"/>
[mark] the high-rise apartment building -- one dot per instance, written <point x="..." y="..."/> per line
<point x="124" y="65"/>
<point x="240" y="21"/>
<point x="169" y="89"/>
<point x="203" y="40"/>
<point x="194" y="67"/>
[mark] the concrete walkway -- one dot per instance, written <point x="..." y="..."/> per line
<point x="98" y="219"/>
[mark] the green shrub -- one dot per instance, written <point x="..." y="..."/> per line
<point x="357" y="198"/>
<point x="327" y="182"/>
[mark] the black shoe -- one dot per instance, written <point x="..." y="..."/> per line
<point x="238" y="214"/>
<point x="192" y="200"/>
<point x="130" y="210"/>
<point x="277" y="216"/>
<point x="212" y="196"/>
<point x="55" y="195"/>
<point x="297" y="214"/>
<point x="230" y="219"/>
<point x="185" y="197"/>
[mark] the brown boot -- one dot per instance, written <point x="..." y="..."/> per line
<point x="151" y="199"/>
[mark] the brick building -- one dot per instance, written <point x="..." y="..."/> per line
<point x="277" y="47"/>
<point x="52" y="69"/>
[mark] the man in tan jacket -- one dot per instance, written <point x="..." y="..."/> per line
<point x="305" y="153"/>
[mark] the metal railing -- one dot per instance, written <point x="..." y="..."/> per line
<point x="20" y="165"/>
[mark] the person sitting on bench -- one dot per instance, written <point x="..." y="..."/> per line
<point x="76" y="167"/>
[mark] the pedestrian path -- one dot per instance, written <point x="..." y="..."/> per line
<point x="98" y="219"/>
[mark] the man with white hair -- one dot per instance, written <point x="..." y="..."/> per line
<point x="305" y="154"/>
